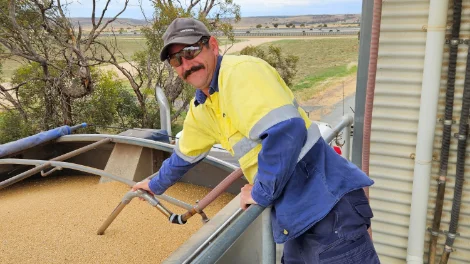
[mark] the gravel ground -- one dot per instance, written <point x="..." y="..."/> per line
<point x="55" y="219"/>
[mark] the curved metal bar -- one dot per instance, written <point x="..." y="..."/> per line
<point x="23" y="175"/>
<point x="46" y="165"/>
<point x="75" y="153"/>
<point x="49" y="163"/>
<point x="66" y="165"/>
<point x="347" y="120"/>
<point x="165" y="119"/>
<point x="143" y="143"/>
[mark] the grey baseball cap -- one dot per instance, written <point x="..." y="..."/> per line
<point x="182" y="31"/>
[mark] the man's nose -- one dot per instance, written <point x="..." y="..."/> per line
<point x="186" y="64"/>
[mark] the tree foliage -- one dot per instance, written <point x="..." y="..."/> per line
<point x="39" y="32"/>
<point x="217" y="15"/>
<point x="110" y="104"/>
<point x="286" y="65"/>
<point x="13" y="127"/>
<point x="58" y="85"/>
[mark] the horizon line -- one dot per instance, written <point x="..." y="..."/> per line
<point x="241" y="17"/>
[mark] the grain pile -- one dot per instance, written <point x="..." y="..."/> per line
<point x="55" y="219"/>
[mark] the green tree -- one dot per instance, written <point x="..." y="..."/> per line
<point x="259" y="26"/>
<point x="217" y="15"/>
<point x="100" y="107"/>
<point x="302" y="25"/>
<point x="39" y="32"/>
<point x="111" y="103"/>
<point x="13" y="127"/>
<point x="62" y="54"/>
<point x="275" y="25"/>
<point x="286" y="65"/>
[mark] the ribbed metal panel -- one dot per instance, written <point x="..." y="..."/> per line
<point x="395" y="125"/>
<point x="462" y="243"/>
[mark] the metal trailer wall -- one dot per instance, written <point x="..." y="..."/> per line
<point x="394" y="128"/>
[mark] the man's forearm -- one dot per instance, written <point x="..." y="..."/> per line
<point x="170" y="172"/>
<point x="281" y="147"/>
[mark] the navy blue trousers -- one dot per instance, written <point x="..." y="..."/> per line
<point x="339" y="238"/>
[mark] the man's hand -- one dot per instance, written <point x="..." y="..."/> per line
<point x="142" y="185"/>
<point x="245" y="196"/>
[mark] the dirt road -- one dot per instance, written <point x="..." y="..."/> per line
<point x="324" y="102"/>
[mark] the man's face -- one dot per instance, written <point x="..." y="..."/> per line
<point x="197" y="71"/>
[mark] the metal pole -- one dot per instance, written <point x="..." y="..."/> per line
<point x="361" y="82"/>
<point x="347" y="138"/>
<point x="345" y="122"/>
<point x="269" y="247"/>
<point x="435" y="40"/>
<point x="212" y="195"/>
<point x="144" y="143"/>
<point x="75" y="153"/>
<point x="41" y="164"/>
<point x="111" y="218"/>
<point x="46" y="164"/>
<point x="67" y="165"/>
<point x="126" y="200"/>
<point x="165" y="119"/>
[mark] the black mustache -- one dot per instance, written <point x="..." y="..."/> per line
<point x="193" y="69"/>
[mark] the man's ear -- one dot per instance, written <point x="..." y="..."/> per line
<point x="214" y="45"/>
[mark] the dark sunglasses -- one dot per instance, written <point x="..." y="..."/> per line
<point x="188" y="53"/>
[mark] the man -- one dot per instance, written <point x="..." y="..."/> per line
<point x="319" y="209"/>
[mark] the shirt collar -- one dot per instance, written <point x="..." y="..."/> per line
<point x="213" y="86"/>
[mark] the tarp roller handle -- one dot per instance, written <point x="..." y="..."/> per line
<point x="173" y="218"/>
<point x="127" y="199"/>
<point x="209" y="198"/>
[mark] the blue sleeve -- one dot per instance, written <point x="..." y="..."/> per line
<point x="281" y="145"/>
<point x="170" y="172"/>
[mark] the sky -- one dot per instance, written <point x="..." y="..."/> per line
<point x="82" y="8"/>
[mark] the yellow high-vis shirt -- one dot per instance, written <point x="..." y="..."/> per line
<point x="251" y="98"/>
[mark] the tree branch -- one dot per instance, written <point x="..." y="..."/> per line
<point x="93" y="14"/>
<point x="207" y="9"/>
<point x="192" y="4"/>
<point x="15" y="103"/>
<point x="92" y="35"/>
<point x="24" y="37"/>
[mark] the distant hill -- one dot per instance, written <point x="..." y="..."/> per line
<point x="85" y="22"/>
<point x="304" y="19"/>
<point x="246" y="22"/>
